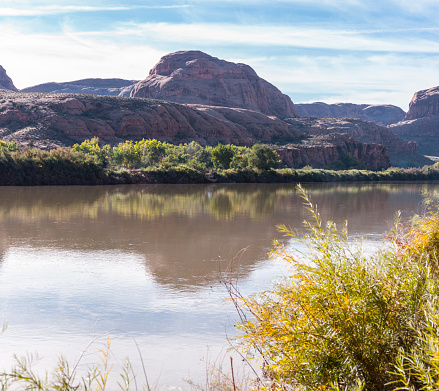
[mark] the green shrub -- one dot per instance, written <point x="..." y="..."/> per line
<point x="222" y="155"/>
<point x="262" y="157"/>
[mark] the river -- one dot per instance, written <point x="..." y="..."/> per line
<point x="142" y="264"/>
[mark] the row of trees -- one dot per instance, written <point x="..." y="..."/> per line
<point x="153" y="153"/>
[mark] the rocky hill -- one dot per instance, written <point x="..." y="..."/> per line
<point x="194" y="77"/>
<point x="113" y="87"/>
<point x="380" y="114"/>
<point x="48" y="120"/>
<point x="6" y="81"/>
<point x="421" y="124"/>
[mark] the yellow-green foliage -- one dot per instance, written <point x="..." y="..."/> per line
<point x="423" y="237"/>
<point x="91" y="147"/>
<point x="138" y="153"/>
<point x="342" y="320"/>
<point x="11" y="146"/>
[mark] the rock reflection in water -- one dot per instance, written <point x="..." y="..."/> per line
<point x="188" y="234"/>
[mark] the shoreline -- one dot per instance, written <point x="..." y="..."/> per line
<point x="37" y="176"/>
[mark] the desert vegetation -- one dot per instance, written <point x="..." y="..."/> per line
<point x="342" y="320"/>
<point x="153" y="161"/>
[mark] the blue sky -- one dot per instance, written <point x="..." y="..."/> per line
<point x="361" y="51"/>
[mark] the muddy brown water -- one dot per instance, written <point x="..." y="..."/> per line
<point x="143" y="264"/>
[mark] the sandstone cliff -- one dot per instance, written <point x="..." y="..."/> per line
<point x="380" y="114"/>
<point x="421" y="124"/>
<point x="118" y="87"/>
<point x="195" y="77"/>
<point x="325" y="150"/>
<point x="48" y="120"/>
<point x="6" y="81"/>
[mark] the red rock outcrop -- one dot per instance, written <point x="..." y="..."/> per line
<point x="423" y="104"/>
<point x="63" y="119"/>
<point x="195" y="77"/>
<point x="421" y="124"/>
<point x="380" y="114"/>
<point x="325" y="150"/>
<point x="6" y="81"/>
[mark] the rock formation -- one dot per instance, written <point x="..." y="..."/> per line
<point x="401" y="152"/>
<point x="424" y="103"/>
<point x="380" y="114"/>
<point x="421" y="124"/>
<point x="6" y="81"/>
<point x="325" y="150"/>
<point x="118" y="87"/>
<point x="195" y="77"/>
<point x="49" y="120"/>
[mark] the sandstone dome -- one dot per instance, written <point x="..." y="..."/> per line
<point x="194" y="77"/>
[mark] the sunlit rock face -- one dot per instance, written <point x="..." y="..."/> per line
<point x="197" y="78"/>
<point x="6" y="81"/>
<point x="421" y="124"/>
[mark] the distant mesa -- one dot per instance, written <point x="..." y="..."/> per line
<point x="6" y="81"/>
<point x="383" y="115"/>
<point x="114" y="87"/>
<point x="194" y="77"/>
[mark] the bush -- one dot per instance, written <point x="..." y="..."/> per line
<point x="262" y="157"/>
<point x="222" y="155"/>
<point x="342" y="320"/>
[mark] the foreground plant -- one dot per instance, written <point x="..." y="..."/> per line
<point x="64" y="377"/>
<point x="344" y="321"/>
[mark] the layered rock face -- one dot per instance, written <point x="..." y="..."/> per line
<point x="383" y="115"/>
<point x="115" y="87"/>
<point x="421" y="124"/>
<point x="50" y="120"/>
<point x="194" y="77"/>
<point x="6" y="81"/>
<point x="323" y="151"/>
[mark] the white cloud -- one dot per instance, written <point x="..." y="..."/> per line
<point x="290" y="36"/>
<point x="31" y="59"/>
<point x="62" y="9"/>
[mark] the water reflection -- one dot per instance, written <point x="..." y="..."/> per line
<point x="187" y="234"/>
<point x="144" y="261"/>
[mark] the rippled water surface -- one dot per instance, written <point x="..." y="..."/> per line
<point x="143" y="264"/>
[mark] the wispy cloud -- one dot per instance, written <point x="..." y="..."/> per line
<point x="282" y="36"/>
<point x="32" y="59"/>
<point x="63" y="9"/>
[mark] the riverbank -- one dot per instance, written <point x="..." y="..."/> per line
<point x="150" y="162"/>
<point x="67" y="174"/>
